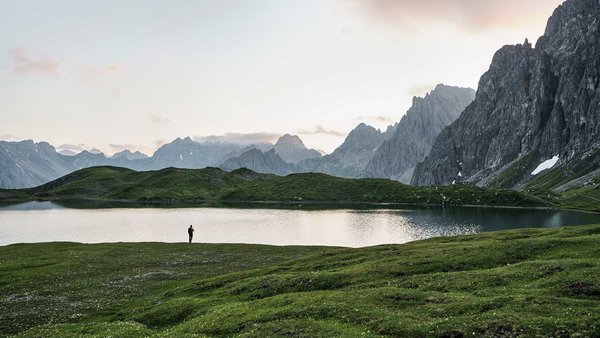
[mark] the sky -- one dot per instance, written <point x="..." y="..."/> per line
<point x="113" y="75"/>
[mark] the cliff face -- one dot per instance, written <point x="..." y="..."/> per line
<point x="532" y="104"/>
<point x="397" y="157"/>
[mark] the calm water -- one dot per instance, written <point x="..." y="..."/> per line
<point x="45" y="222"/>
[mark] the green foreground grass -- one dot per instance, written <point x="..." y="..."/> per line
<point x="530" y="282"/>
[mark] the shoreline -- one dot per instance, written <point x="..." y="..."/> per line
<point x="326" y="205"/>
<point x="291" y="246"/>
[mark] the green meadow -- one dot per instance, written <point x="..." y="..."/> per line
<point x="529" y="282"/>
<point x="176" y="186"/>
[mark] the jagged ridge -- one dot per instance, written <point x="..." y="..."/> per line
<point x="532" y="103"/>
<point x="416" y="132"/>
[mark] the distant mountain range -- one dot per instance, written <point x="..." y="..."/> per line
<point x="369" y="152"/>
<point x="27" y="164"/>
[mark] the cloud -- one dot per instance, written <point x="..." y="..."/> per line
<point x="120" y="147"/>
<point x="9" y="137"/>
<point x="147" y="149"/>
<point x="92" y="73"/>
<point x="116" y="148"/>
<point x="250" y="138"/>
<point x="160" y="142"/>
<point x="24" y="64"/>
<point x="467" y="14"/>
<point x="378" y="119"/>
<point x="318" y="129"/>
<point x="77" y="148"/>
<point x="72" y="147"/>
<point x="159" y="119"/>
<point x="115" y="92"/>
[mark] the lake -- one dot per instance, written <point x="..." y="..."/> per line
<point x="46" y="222"/>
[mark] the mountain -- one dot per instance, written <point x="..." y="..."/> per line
<point x="87" y="159"/>
<point x="238" y="152"/>
<point x="279" y="159"/>
<point x="268" y="162"/>
<point x="27" y="164"/>
<point x="128" y="155"/>
<point x="533" y="104"/>
<point x="397" y="157"/>
<point x="292" y="149"/>
<point x="351" y="158"/>
<point x="187" y="153"/>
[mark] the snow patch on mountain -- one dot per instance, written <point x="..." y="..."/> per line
<point x="545" y="165"/>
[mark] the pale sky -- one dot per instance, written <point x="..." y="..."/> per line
<point x="113" y="74"/>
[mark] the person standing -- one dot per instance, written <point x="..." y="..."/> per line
<point x="191" y="232"/>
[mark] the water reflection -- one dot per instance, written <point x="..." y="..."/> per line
<point x="352" y="227"/>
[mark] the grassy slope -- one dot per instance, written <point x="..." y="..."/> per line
<point x="524" y="282"/>
<point x="555" y="177"/>
<point x="515" y="172"/>
<point x="583" y="198"/>
<point x="211" y="184"/>
<point x="70" y="282"/>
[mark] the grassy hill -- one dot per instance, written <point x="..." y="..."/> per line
<point x="212" y="184"/>
<point x="530" y="282"/>
<point x="583" y="194"/>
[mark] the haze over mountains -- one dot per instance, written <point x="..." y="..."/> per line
<point x="26" y="164"/>
<point x="367" y="151"/>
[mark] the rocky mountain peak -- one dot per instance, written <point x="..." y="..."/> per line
<point x="532" y="104"/>
<point x="415" y="133"/>
<point x="186" y="140"/>
<point x="360" y="132"/>
<point x="291" y="141"/>
<point x="292" y="149"/>
<point x="259" y="161"/>
<point x="352" y="156"/>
